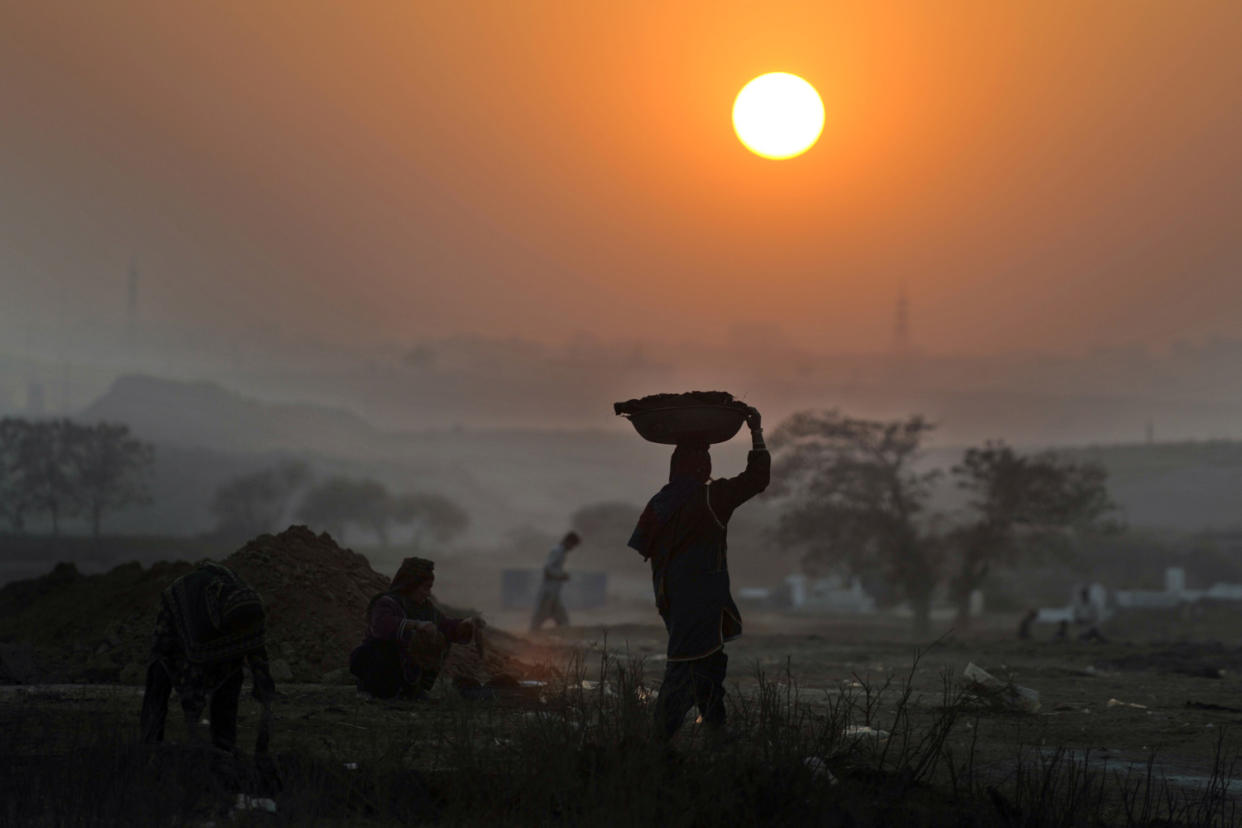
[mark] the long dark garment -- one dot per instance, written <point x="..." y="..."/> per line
<point x="683" y="532"/>
<point x="195" y="654"/>
<point x="382" y="664"/>
<point x="689" y="683"/>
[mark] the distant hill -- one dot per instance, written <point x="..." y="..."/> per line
<point x="207" y="415"/>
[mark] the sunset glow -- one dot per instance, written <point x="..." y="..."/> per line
<point x="778" y="115"/>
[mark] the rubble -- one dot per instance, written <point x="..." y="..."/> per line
<point x="998" y="694"/>
<point x="1120" y="703"/>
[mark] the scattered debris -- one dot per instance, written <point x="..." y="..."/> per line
<point x="255" y="803"/>
<point x="819" y="769"/>
<point x="1120" y="703"/>
<point x="864" y="731"/>
<point x="999" y="694"/>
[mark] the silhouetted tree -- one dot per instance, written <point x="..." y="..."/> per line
<point x="44" y="458"/>
<point x="108" y="468"/>
<point x="856" y="500"/>
<point x="1021" y="504"/>
<point x="434" y="517"/>
<point x="254" y="503"/>
<point x="14" y="497"/>
<point x="341" y="501"/>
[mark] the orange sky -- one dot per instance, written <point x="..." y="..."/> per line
<point x="1042" y="175"/>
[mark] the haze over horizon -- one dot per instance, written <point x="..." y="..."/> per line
<point x="1038" y="178"/>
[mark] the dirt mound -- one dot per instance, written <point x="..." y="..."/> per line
<point x="316" y="596"/>
<point x="86" y="627"/>
<point x="98" y="627"/>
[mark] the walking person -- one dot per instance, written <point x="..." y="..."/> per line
<point x="548" y="603"/>
<point x="683" y="533"/>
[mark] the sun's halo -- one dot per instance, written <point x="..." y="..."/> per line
<point x="778" y="115"/>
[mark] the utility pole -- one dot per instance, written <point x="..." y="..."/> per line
<point x="131" y="309"/>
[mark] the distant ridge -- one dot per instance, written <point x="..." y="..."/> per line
<point x="207" y="415"/>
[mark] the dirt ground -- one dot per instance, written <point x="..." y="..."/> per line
<point x="1122" y="702"/>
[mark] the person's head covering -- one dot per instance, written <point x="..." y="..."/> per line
<point x="230" y="602"/>
<point x="413" y="571"/>
<point x="689" y="468"/>
<point x="241" y="609"/>
<point x="571" y="538"/>
<point x="216" y="614"/>
<point x="690" y="460"/>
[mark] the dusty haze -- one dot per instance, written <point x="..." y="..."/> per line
<point x="1039" y="176"/>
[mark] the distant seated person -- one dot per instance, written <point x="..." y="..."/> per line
<point x="407" y="636"/>
<point x="210" y="623"/>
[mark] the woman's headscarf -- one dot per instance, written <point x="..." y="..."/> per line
<point x="688" y="469"/>
<point x="690" y="460"/>
<point x="413" y="571"/>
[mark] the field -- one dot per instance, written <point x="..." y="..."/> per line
<point x="1135" y="730"/>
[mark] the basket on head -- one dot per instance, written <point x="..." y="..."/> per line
<point x="693" y="417"/>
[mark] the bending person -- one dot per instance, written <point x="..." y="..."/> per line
<point x="683" y="533"/>
<point x="210" y="622"/>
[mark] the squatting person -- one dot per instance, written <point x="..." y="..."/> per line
<point x="548" y="603"/>
<point x="682" y="531"/>
<point x="210" y="622"/>
<point x="407" y="636"/>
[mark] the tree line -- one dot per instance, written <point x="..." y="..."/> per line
<point x="61" y="469"/>
<point x="854" y="498"/>
<point x="260" y="501"/>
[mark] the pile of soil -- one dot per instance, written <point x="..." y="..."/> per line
<point x="66" y="627"/>
<point x="689" y="398"/>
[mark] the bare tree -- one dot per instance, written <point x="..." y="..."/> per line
<point x="1021" y="504"/>
<point x="109" y="468"/>
<point x="44" y="459"/>
<point x="14" y="495"/>
<point x="433" y="516"/>
<point x="856" y="500"/>
<point x="254" y="503"/>
<point x="341" y="501"/>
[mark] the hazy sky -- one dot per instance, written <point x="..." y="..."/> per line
<point x="1040" y="174"/>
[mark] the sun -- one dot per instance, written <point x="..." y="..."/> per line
<point x="778" y="115"/>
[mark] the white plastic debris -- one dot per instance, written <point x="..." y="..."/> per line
<point x="1120" y="703"/>
<point x="1000" y="693"/>
<point x="819" y="769"/>
<point x="255" y="803"/>
<point x="351" y="766"/>
<point x="865" y="732"/>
